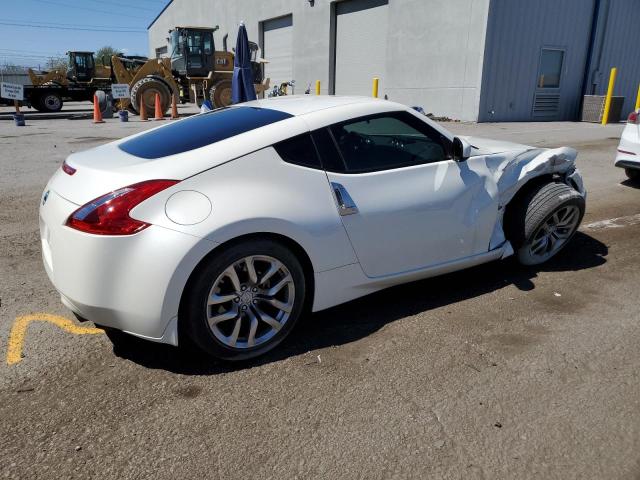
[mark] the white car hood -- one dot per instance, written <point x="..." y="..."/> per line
<point x="487" y="146"/>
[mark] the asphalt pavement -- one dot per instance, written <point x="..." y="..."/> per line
<point x="495" y="372"/>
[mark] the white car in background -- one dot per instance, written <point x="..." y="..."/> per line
<point x="225" y="227"/>
<point x="628" y="154"/>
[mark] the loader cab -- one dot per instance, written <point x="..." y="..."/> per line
<point x="82" y="67"/>
<point x="192" y="51"/>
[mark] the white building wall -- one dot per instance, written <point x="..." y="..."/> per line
<point x="434" y="47"/>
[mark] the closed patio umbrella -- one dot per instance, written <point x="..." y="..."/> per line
<point x="242" y="83"/>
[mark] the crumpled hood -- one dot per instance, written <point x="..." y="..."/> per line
<point x="487" y="146"/>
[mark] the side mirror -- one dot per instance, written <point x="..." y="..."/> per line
<point x="461" y="149"/>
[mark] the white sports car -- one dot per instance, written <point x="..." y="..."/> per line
<point x="628" y="154"/>
<point x="225" y="227"/>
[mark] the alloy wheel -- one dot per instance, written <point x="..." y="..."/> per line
<point x="250" y="301"/>
<point x="554" y="232"/>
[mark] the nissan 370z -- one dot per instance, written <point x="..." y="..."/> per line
<point x="222" y="229"/>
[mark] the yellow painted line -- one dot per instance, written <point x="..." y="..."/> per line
<point x="19" y="332"/>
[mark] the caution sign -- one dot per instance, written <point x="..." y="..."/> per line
<point x="120" y="90"/>
<point x="11" y="91"/>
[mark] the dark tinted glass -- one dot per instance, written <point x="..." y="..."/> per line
<point x="200" y="130"/>
<point x="386" y="141"/>
<point x="329" y="155"/>
<point x="299" y="151"/>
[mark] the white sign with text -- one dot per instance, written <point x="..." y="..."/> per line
<point x="11" y="91"/>
<point x="120" y="90"/>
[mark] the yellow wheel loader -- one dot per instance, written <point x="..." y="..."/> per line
<point x="195" y="71"/>
<point x="81" y="80"/>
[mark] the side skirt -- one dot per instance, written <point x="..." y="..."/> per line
<point x="349" y="282"/>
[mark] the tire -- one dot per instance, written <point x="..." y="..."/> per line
<point x="632" y="173"/>
<point x="146" y="89"/>
<point x="48" y="102"/>
<point x="220" y="94"/>
<point x="220" y="314"/>
<point x="545" y="221"/>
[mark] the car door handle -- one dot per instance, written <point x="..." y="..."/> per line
<point x="346" y="205"/>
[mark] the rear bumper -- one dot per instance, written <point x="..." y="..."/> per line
<point x="623" y="161"/>
<point x="131" y="283"/>
<point x="628" y="152"/>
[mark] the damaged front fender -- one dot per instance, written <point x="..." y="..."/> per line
<point x="512" y="174"/>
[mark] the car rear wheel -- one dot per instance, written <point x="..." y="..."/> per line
<point x="546" y="221"/>
<point x="245" y="300"/>
<point x="632" y="173"/>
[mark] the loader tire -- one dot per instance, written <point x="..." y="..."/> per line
<point x="220" y="94"/>
<point x="145" y="89"/>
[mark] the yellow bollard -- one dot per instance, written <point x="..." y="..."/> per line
<point x="638" y="99"/>
<point x="317" y="87"/>
<point x="374" y="90"/>
<point x="607" y="102"/>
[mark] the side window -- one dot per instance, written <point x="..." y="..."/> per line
<point x="329" y="155"/>
<point x="299" y="150"/>
<point x="207" y="43"/>
<point x="387" y="141"/>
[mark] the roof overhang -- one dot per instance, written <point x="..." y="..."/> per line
<point x="161" y="12"/>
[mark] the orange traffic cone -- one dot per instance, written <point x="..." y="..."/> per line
<point x="174" y="108"/>
<point x="142" y="110"/>
<point x="97" y="114"/>
<point x="159" y="113"/>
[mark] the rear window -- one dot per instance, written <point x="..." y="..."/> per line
<point x="200" y="130"/>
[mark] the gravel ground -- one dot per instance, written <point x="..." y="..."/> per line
<point x="493" y="372"/>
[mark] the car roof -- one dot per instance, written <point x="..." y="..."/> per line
<point x="304" y="104"/>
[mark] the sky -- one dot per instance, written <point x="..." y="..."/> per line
<point x="31" y="31"/>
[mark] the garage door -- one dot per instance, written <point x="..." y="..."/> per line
<point x="361" y="45"/>
<point x="278" y="49"/>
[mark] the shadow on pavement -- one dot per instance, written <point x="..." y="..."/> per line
<point x="631" y="183"/>
<point x="362" y="317"/>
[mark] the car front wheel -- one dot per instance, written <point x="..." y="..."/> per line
<point x="547" y="219"/>
<point x="245" y="300"/>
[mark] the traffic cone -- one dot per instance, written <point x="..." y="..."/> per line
<point x="143" y="111"/>
<point x="174" y="108"/>
<point x="159" y="113"/>
<point x="97" y="114"/>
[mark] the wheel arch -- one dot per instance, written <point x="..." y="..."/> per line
<point x="509" y="219"/>
<point x="295" y="247"/>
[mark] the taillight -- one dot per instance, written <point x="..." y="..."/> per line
<point x="109" y="214"/>
<point x="68" y="169"/>
<point x="633" y="118"/>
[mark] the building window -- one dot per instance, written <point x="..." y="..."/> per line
<point x="161" y="52"/>
<point x="550" y="68"/>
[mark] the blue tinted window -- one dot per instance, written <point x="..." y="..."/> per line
<point x="200" y="130"/>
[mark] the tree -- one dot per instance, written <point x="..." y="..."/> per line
<point x="11" y="68"/>
<point x="57" y="63"/>
<point x="104" y="54"/>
